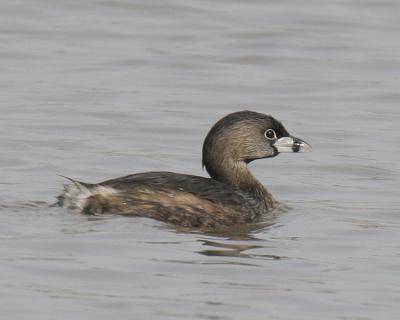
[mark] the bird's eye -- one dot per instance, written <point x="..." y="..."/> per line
<point x="270" y="134"/>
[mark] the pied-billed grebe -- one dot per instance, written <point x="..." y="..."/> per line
<point x="231" y="196"/>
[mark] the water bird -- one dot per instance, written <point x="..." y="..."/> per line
<point x="231" y="196"/>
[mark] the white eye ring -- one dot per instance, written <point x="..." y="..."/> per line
<point x="270" y="134"/>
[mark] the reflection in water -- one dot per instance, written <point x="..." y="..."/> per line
<point x="238" y="232"/>
<point x="234" y="250"/>
<point x="241" y="233"/>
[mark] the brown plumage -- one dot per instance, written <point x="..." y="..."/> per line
<point x="232" y="195"/>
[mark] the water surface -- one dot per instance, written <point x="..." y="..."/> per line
<point x="100" y="89"/>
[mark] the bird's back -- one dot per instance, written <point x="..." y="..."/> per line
<point x="186" y="200"/>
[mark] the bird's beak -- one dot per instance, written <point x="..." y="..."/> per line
<point x="291" y="144"/>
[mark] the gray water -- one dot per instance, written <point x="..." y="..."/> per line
<point x="100" y="89"/>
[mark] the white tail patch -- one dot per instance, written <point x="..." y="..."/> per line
<point x="75" y="195"/>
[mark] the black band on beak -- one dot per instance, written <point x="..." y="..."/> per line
<point x="291" y="144"/>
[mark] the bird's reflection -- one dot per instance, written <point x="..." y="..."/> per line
<point x="234" y="250"/>
<point x="236" y="241"/>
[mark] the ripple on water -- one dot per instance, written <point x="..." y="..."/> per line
<point x="101" y="89"/>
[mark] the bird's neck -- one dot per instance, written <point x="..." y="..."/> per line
<point x="237" y="174"/>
